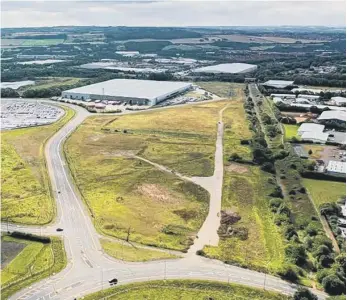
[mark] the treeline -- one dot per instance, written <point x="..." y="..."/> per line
<point x="30" y="237"/>
<point x="42" y="37"/>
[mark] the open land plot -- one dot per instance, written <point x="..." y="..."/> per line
<point x="25" y="185"/>
<point x="317" y="150"/>
<point x="32" y="263"/>
<point x="323" y="191"/>
<point x="261" y="246"/>
<point x="290" y="131"/>
<point x="125" y="193"/>
<point x="222" y="89"/>
<point x="128" y="252"/>
<point x="185" y="290"/>
<point x="43" y="42"/>
<point x="45" y="83"/>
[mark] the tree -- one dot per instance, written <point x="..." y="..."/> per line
<point x="9" y="93"/>
<point x="296" y="254"/>
<point x="333" y="285"/>
<point x="304" y="294"/>
<point x="268" y="167"/>
<point x="288" y="272"/>
<point x="310" y="152"/>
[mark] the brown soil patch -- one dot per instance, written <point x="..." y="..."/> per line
<point x="158" y="193"/>
<point x="237" y="168"/>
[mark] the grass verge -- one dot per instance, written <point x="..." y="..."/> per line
<point x="26" y="197"/>
<point x="185" y="290"/>
<point x="128" y="252"/>
<point x="35" y="262"/>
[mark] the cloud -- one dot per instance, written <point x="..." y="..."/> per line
<point x="172" y="13"/>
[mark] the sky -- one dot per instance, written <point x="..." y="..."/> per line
<point x="172" y="13"/>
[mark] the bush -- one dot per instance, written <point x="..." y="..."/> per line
<point x="268" y="167"/>
<point x="321" y="274"/>
<point x="333" y="285"/>
<point x="288" y="272"/>
<point x="277" y="193"/>
<point x="290" y="232"/>
<point x="326" y="260"/>
<point x="322" y="250"/>
<point x="296" y="254"/>
<point x="234" y="157"/>
<point x="275" y="202"/>
<point x="304" y="294"/>
<point x="31" y="237"/>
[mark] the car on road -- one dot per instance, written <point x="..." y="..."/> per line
<point x="113" y="281"/>
<point x="60" y="229"/>
<point x="58" y="192"/>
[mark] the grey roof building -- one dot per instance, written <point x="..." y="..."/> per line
<point x="333" y="115"/>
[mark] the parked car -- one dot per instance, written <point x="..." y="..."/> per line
<point x="60" y="229"/>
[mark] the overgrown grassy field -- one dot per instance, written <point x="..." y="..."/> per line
<point x="126" y="251"/>
<point x="185" y="290"/>
<point x="316" y="150"/>
<point x="126" y="194"/>
<point x="24" y="179"/>
<point x="290" y="131"/>
<point x="236" y="129"/>
<point x="222" y="89"/>
<point x="245" y="191"/>
<point x="33" y="263"/>
<point x="323" y="191"/>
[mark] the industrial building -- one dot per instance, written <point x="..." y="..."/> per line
<point x="278" y="84"/>
<point x="336" y="168"/>
<point x="315" y="137"/>
<point x="235" y="68"/>
<point x="310" y="127"/>
<point x="339" y="101"/>
<point x="333" y="115"/>
<point x="132" y="91"/>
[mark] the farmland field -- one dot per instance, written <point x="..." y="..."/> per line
<point x="30" y="262"/>
<point x="185" y="290"/>
<point x="125" y="193"/>
<point x="30" y="42"/>
<point x="323" y="191"/>
<point x="127" y="252"/>
<point x="25" y="186"/>
<point x="50" y="82"/>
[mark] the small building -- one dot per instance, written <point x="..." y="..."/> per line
<point x="284" y="96"/>
<point x="309" y="97"/>
<point x="235" y="68"/>
<point x="302" y="101"/>
<point x="336" y="168"/>
<point x="315" y="137"/>
<point x="310" y="127"/>
<point x="278" y="84"/>
<point x="339" y="101"/>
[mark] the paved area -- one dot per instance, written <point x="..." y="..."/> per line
<point x="89" y="269"/>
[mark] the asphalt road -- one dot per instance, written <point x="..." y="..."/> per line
<point x="89" y="269"/>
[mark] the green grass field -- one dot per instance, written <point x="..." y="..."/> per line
<point x="127" y="252"/>
<point x="323" y="191"/>
<point x="125" y="193"/>
<point x="42" y="42"/>
<point x="290" y="131"/>
<point x="33" y="263"/>
<point x="50" y="82"/>
<point x="25" y="185"/>
<point x="185" y="290"/>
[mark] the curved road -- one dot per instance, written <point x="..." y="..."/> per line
<point x="89" y="269"/>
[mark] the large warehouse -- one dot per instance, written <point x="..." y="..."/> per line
<point x="235" y="68"/>
<point x="132" y="91"/>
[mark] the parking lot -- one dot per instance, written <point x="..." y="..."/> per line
<point x="19" y="114"/>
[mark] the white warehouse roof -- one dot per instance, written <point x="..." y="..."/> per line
<point x="132" y="88"/>
<point x="336" y="166"/>
<point x="278" y="83"/>
<point x="314" y="136"/>
<point x="339" y="99"/>
<point x="309" y="127"/>
<point x="227" y="68"/>
<point x="333" y="115"/>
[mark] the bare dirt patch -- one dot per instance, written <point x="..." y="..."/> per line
<point x="9" y="251"/>
<point x="158" y="193"/>
<point x="237" y="168"/>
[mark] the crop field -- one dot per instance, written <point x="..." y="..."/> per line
<point x="43" y="42"/>
<point x="222" y="89"/>
<point x="245" y="191"/>
<point x="185" y="290"/>
<point x="126" y="194"/>
<point x="25" y="186"/>
<point x="323" y="191"/>
<point x="128" y="252"/>
<point x="30" y="262"/>
<point x="290" y="131"/>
